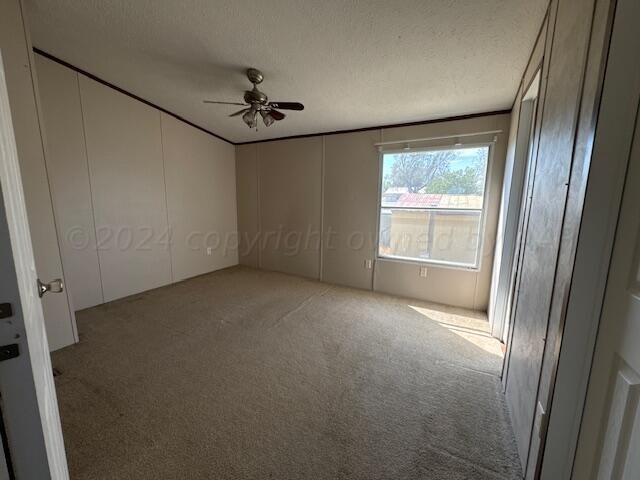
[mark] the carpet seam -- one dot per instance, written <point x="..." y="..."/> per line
<point x="301" y="306"/>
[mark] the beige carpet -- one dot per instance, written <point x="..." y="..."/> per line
<point x="244" y="374"/>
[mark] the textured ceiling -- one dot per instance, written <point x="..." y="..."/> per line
<point x="352" y="63"/>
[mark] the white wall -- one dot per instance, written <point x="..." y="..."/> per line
<point x="347" y="207"/>
<point x="201" y="196"/>
<point x="330" y="183"/>
<point x="139" y="195"/>
<point x="124" y="148"/>
<point x="69" y="180"/>
<point x="20" y="77"/>
<point x="290" y="203"/>
<point x="248" y="201"/>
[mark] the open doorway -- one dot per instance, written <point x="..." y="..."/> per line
<point x="518" y="185"/>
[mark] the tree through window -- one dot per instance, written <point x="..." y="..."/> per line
<point x="432" y="205"/>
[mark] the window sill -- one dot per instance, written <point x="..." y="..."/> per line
<point x="428" y="263"/>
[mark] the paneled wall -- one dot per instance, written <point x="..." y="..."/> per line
<point x="141" y="198"/>
<point x="201" y="197"/>
<point x="17" y="60"/>
<point x="546" y="216"/>
<point x="464" y="288"/>
<point x="347" y="207"/>
<point x="69" y="180"/>
<point x="124" y="150"/>
<point x="570" y="52"/>
<point x="521" y="133"/>
<point x="247" y="203"/>
<point x="290" y="175"/>
<point x="290" y="190"/>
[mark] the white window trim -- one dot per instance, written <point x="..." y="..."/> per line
<point x="483" y="212"/>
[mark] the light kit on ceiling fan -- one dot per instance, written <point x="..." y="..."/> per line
<point x="250" y="119"/>
<point x="267" y="118"/>
<point x="256" y="102"/>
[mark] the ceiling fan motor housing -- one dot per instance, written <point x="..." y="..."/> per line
<point x="255" y="96"/>
<point x="257" y="102"/>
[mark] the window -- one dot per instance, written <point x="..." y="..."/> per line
<point x="431" y="206"/>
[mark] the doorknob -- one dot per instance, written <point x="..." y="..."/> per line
<point x="55" y="286"/>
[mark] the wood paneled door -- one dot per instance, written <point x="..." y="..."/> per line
<point x="609" y="443"/>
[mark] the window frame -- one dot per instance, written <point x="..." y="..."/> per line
<point x="477" y="266"/>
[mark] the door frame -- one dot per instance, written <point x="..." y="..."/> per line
<point x="614" y="128"/>
<point x="526" y="137"/>
<point x="29" y="377"/>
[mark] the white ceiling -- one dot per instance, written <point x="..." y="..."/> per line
<point x="352" y="63"/>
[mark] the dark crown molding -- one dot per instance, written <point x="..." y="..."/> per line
<point x="319" y="134"/>
<point x="129" y="94"/>
<point x="380" y="127"/>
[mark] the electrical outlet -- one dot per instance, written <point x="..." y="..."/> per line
<point x="209" y="251"/>
<point x="423" y="272"/>
<point x="368" y="264"/>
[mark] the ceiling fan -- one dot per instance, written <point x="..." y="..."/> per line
<point x="256" y="102"/>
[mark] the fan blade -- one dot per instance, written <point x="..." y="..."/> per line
<point x="287" y="105"/>
<point x="224" y="103"/>
<point x="276" y="114"/>
<point x="239" y="112"/>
